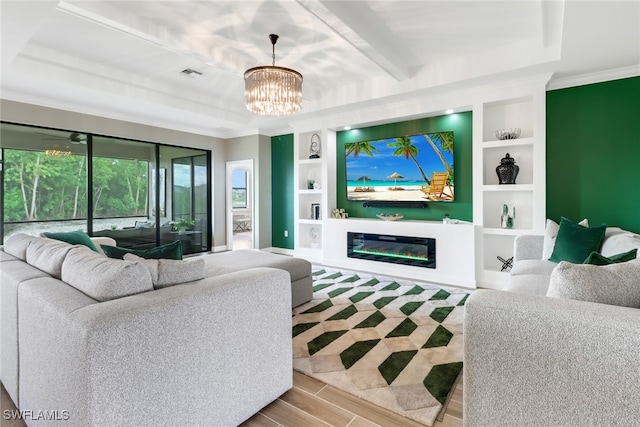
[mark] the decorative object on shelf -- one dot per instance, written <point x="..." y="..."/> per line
<point x="310" y="184"/>
<point x="513" y="133"/>
<point x="313" y="234"/>
<point x="316" y="185"/>
<point x="271" y="90"/>
<point x="507" y="170"/>
<point x="446" y="219"/>
<point x="506" y="263"/>
<point x="339" y="213"/>
<point x="506" y="219"/>
<point x="389" y="217"/>
<point x="315" y="211"/>
<point x="314" y="147"/>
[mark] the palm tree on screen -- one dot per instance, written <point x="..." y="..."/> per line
<point x="445" y="141"/>
<point x="356" y="148"/>
<point x="404" y="147"/>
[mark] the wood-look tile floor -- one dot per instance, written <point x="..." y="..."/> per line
<point x="313" y="403"/>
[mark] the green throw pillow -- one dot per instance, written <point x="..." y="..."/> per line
<point x="598" y="259"/>
<point x="73" y="238"/>
<point x="169" y="251"/>
<point x="575" y="242"/>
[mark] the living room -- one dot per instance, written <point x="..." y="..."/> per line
<point x="573" y="98"/>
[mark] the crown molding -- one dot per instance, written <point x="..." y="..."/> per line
<point x="598" y="77"/>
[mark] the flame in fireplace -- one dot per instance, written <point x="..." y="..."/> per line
<point x="417" y="255"/>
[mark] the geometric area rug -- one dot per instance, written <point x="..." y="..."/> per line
<point x="396" y="343"/>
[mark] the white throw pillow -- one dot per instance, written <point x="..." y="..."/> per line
<point x="550" y="235"/>
<point x="103" y="278"/>
<point x="614" y="284"/>
<point x="169" y="272"/>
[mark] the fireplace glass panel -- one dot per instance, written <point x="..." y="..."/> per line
<point x="413" y="251"/>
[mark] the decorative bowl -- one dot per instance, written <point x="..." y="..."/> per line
<point x="388" y="217"/>
<point x="512" y="133"/>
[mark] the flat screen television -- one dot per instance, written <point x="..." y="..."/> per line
<point x="415" y="168"/>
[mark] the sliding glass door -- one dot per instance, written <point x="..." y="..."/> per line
<point x="44" y="180"/>
<point x="189" y="198"/>
<point x="136" y="192"/>
<point x="123" y="207"/>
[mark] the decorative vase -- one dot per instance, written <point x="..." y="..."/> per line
<point x="506" y="219"/>
<point x="507" y="170"/>
<point x="182" y="231"/>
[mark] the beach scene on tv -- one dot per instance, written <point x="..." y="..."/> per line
<point x="406" y="168"/>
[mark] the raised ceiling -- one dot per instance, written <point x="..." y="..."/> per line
<point x="123" y="59"/>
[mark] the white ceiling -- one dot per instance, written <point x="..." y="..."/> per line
<point x="122" y="59"/>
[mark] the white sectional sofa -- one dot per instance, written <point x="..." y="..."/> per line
<point x="532" y="269"/>
<point x="537" y="360"/>
<point x="213" y="351"/>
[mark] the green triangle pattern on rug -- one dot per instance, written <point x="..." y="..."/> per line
<point x="396" y="343"/>
<point x="441" y="379"/>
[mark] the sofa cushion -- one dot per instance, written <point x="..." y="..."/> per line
<point x="47" y="255"/>
<point x="104" y="278"/>
<point x="615" y="284"/>
<point x="172" y="250"/>
<point x="537" y="284"/>
<point x="169" y="272"/>
<point x="73" y="238"/>
<point x="598" y="259"/>
<point x="17" y="244"/>
<point x="620" y="242"/>
<point x="533" y="266"/>
<point x="550" y="235"/>
<point x="574" y="242"/>
<point x="242" y="259"/>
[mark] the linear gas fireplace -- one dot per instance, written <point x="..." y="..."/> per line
<point x="414" y="251"/>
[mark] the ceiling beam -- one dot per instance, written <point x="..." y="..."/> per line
<point x="19" y="21"/>
<point x="360" y="26"/>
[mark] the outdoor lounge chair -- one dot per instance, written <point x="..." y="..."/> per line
<point x="435" y="191"/>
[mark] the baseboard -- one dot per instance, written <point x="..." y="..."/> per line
<point x="281" y="251"/>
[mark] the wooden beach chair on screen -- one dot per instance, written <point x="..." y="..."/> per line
<point x="435" y="191"/>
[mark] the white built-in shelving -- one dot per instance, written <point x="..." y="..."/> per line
<point x="314" y="178"/>
<point x="516" y="106"/>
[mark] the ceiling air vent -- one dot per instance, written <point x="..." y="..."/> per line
<point x="191" y="73"/>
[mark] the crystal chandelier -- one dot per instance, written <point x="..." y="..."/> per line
<point x="271" y="90"/>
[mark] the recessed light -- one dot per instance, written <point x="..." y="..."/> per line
<point x="347" y="127"/>
<point x="450" y="111"/>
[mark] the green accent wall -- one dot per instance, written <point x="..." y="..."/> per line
<point x="593" y="153"/>
<point x="460" y="208"/>
<point x="282" y="191"/>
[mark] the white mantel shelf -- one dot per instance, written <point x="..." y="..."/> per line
<point x="455" y="256"/>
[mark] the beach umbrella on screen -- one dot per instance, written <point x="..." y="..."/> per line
<point x="395" y="176"/>
<point x="364" y="179"/>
